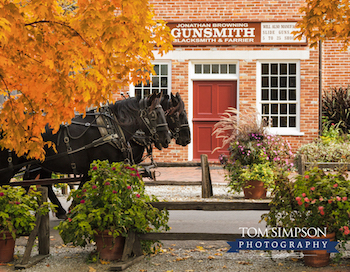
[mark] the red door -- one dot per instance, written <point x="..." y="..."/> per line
<point x="210" y="100"/>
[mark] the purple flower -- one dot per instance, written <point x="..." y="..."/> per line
<point x="94" y="168"/>
<point x="94" y="186"/>
<point x="82" y="201"/>
<point x="107" y="183"/>
<point x="1" y="194"/>
<point x="114" y="192"/>
<point x="113" y="168"/>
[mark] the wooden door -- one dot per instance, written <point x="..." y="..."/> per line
<point x="210" y="100"/>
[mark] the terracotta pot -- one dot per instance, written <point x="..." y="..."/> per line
<point x="109" y="248"/>
<point x="318" y="258"/>
<point x="7" y="247"/>
<point x="254" y="189"/>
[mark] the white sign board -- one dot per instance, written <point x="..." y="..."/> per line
<point x="276" y="32"/>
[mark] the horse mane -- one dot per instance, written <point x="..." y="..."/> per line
<point x="126" y="111"/>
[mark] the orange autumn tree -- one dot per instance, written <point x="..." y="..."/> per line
<point x="325" y="19"/>
<point x="61" y="56"/>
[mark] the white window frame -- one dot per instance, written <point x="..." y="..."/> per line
<point x="294" y="131"/>
<point x="160" y="62"/>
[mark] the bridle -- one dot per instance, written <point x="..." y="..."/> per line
<point x="174" y="115"/>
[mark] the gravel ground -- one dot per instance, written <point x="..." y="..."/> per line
<point x="177" y="256"/>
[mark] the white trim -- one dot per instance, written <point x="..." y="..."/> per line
<point x="280" y="131"/>
<point x="179" y="54"/>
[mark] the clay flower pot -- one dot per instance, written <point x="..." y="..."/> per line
<point x="318" y="258"/>
<point x="254" y="189"/>
<point x="7" y="247"/>
<point x="109" y="248"/>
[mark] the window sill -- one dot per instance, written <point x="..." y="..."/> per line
<point x="286" y="132"/>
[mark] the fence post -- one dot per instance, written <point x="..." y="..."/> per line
<point x="301" y="164"/>
<point x="44" y="228"/>
<point x="207" y="189"/>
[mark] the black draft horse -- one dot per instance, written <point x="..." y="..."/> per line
<point x="102" y="135"/>
<point x="177" y="120"/>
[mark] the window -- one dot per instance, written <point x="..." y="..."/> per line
<point x="215" y="69"/>
<point x="160" y="82"/>
<point x="278" y="93"/>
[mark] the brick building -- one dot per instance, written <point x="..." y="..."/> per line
<point x="241" y="54"/>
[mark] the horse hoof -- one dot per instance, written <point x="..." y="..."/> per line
<point x="62" y="216"/>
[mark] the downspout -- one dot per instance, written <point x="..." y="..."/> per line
<point x="320" y="88"/>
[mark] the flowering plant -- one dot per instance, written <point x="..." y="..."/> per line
<point x="315" y="200"/>
<point x="323" y="201"/>
<point x="251" y="145"/>
<point x="18" y="208"/>
<point x="114" y="199"/>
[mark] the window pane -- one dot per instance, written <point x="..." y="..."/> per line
<point x="292" y="82"/>
<point x="283" y="121"/>
<point x="292" y="95"/>
<point x="265" y="82"/>
<point x="206" y="69"/>
<point x="292" y="109"/>
<point x="265" y="94"/>
<point x="274" y="94"/>
<point x="164" y="91"/>
<point x="198" y="68"/>
<point x="215" y="68"/>
<point x="164" y="70"/>
<point x="155" y="81"/>
<point x="164" y="82"/>
<point x="232" y="68"/>
<point x="223" y="68"/>
<point x="283" y="94"/>
<point x="292" y="69"/>
<point x="274" y="108"/>
<point x="274" y="121"/>
<point x="147" y="84"/>
<point x="292" y="121"/>
<point x="138" y="92"/>
<point x="265" y="69"/>
<point x="265" y="109"/>
<point x="274" y="69"/>
<point x="274" y="82"/>
<point x="283" y="82"/>
<point x="283" y="108"/>
<point x="156" y="68"/>
<point x="283" y="69"/>
<point x="146" y="92"/>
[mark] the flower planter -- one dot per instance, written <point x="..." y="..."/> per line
<point x="254" y="189"/>
<point x="7" y="247"/>
<point x="318" y="258"/>
<point x="109" y="248"/>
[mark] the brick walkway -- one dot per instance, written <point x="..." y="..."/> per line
<point x="194" y="173"/>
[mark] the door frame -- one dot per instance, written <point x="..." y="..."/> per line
<point x="210" y="77"/>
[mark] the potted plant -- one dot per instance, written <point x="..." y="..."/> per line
<point x="315" y="200"/>
<point x="17" y="216"/>
<point x="110" y="205"/>
<point x="253" y="152"/>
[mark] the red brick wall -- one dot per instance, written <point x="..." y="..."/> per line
<point x="220" y="10"/>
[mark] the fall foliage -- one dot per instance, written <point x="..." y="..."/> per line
<point x="324" y="19"/>
<point x="61" y="56"/>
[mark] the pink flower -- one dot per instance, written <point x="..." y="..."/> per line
<point x="312" y="188"/>
<point x="128" y="187"/>
<point x="113" y="168"/>
<point x="321" y="198"/>
<point x="313" y="201"/>
<point x="84" y="190"/>
<point x="82" y="201"/>
<point x="300" y="203"/>
<point x="322" y="212"/>
<point x="94" y="186"/>
<point x="137" y="195"/>
<point x="69" y="219"/>
<point x="346" y="232"/>
<point x="114" y="192"/>
<point x="17" y="202"/>
<point x="107" y="183"/>
<point x="298" y="198"/>
<point x="345" y="198"/>
<point x="320" y="208"/>
<point x="306" y="199"/>
<point x="335" y="185"/>
<point x="338" y="198"/>
<point x="94" y="168"/>
<point x="1" y="194"/>
<point x="303" y="195"/>
<point x="330" y="201"/>
<point x="306" y="176"/>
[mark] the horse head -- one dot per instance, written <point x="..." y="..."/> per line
<point x="153" y="117"/>
<point x="177" y="119"/>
